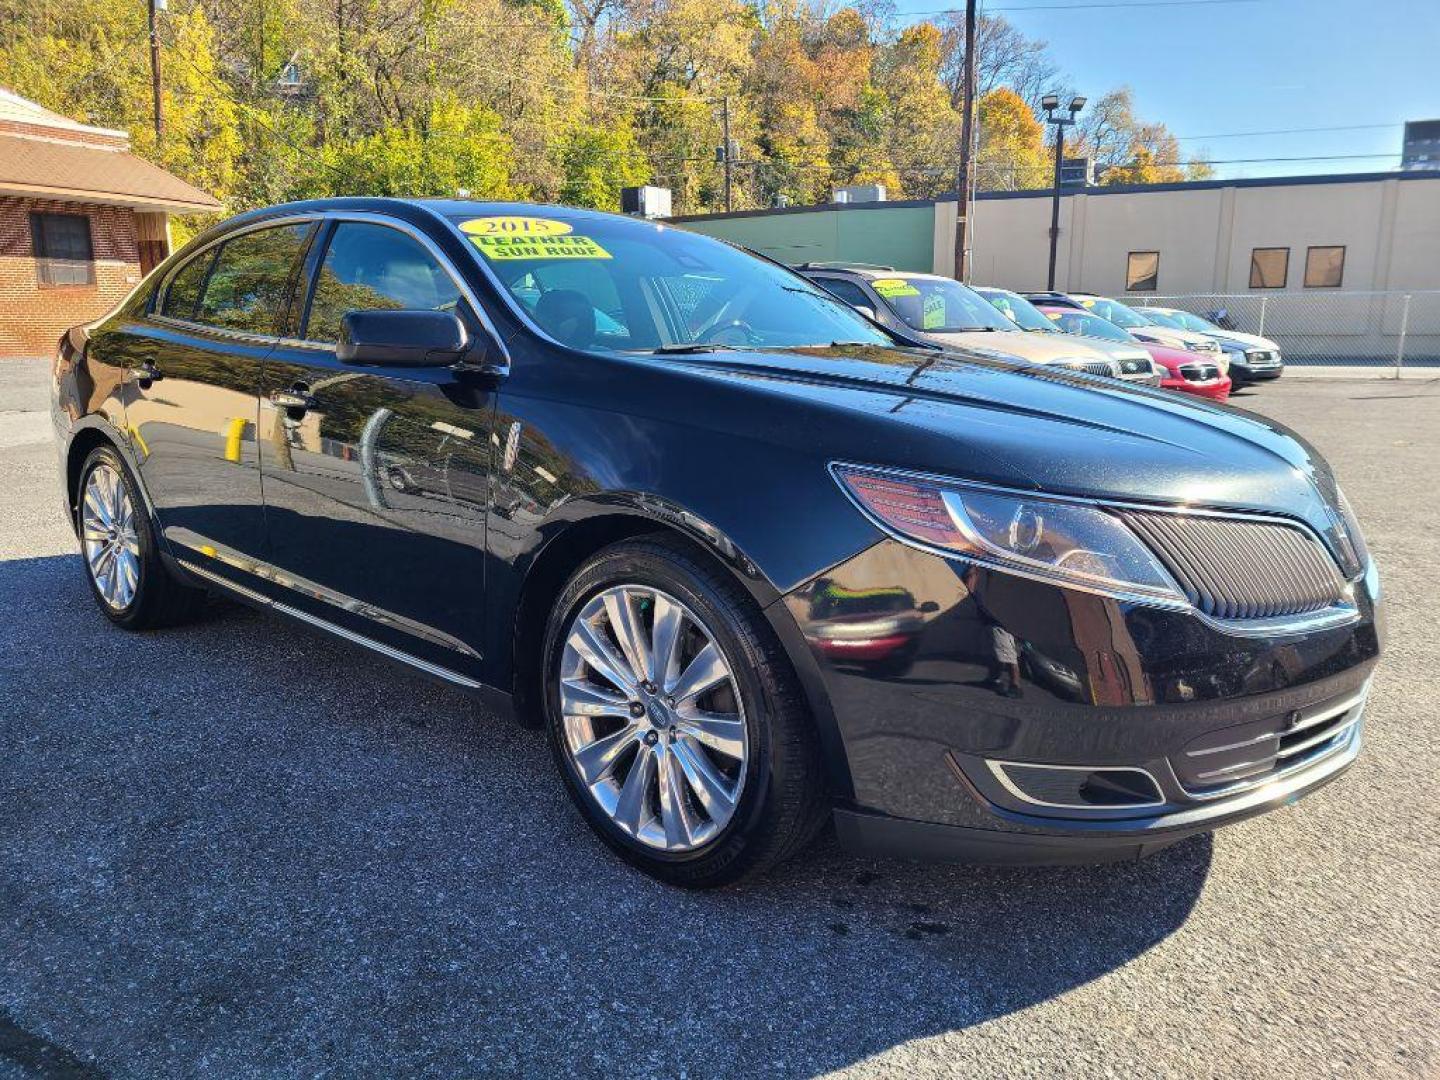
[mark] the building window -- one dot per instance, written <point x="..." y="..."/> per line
<point x="1269" y="268"/>
<point x="1324" y="267"/>
<point x="1142" y="271"/>
<point x="63" y="255"/>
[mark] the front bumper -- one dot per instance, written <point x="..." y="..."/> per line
<point x="1169" y="725"/>
<point x="1216" y="389"/>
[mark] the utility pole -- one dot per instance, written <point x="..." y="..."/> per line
<point x="1050" y="103"/>
<point x="729" y="205"/>
<point x="155" y="5"/>
<point x="967" y="141"/>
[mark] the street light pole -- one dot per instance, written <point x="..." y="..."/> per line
<point x="1050" y="103"/>
<point x="967" y="142"/>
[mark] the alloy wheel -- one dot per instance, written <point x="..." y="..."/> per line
<point x="109" y="537"/>
<point x="652" y="715"/>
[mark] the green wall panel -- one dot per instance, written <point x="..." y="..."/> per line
<point x="898" y="236"/>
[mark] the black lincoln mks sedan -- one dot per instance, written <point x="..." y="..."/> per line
<point x="754" y="561"/>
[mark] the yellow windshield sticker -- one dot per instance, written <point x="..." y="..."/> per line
<point x="514" y="226"/>
<point x="498" y="248"/>
<point x="934" y="311"/>
<point x="1054" y="315"/>
<point x="888" y="287"/>
<point x="1088" y="303"/>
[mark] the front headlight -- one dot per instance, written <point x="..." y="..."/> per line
<point x="1055" y="540"/>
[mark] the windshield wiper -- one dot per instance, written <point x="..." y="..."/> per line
<point x="694" y="347"/>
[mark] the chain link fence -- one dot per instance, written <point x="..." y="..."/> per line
<point x="1377" y="330"/>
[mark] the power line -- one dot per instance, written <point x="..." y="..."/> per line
<point x="1287" y="131"/>
<point x="1080" y="7"/>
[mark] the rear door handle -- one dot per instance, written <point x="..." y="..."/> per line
<point x="296" y="398"/>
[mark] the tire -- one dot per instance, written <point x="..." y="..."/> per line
<point x="774" y="777"/>
<point x="138" y="593"/>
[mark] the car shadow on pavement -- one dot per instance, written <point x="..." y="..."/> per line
<point x="245" y="847"/>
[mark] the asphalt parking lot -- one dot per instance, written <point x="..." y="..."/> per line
<point x="245" y="849"/>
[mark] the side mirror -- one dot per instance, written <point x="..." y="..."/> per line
<point x="386" y="338"/>
<point x="866" y="310"/>
<point x="929" y="607"/>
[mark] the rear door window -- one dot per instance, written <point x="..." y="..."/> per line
<point x="250" y="283"/>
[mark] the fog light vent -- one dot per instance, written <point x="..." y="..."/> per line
<point x="1079" y="787"/>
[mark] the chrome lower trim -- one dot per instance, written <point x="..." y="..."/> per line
<point x="1346" y="736"/>
<point x="339" y="631"/>
<point x="998" y="770"/>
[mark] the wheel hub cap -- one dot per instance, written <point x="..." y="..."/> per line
<point x="653" y="721"/>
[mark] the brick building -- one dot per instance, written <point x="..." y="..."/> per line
<point x="81" y="221"/>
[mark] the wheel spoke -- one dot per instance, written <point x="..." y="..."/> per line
<point x="95" y="503"/>
<point x="129" y="575"/>
<point x="634" y="794"/>
<point x="723" y="732"/>
<point x="709" y="787"/>
<point x="596" y="652"/>
<point x="703" y="673"/>
<point x="597" y="760"/>
<point x="675" y="814"/>
<point x="620" y="609"/>
<point x="665" y="635"/>
<point x="581" y="698"/>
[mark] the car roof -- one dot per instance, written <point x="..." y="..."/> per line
<point x="868" y="272"/>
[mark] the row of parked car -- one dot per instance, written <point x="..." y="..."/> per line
<point x="1152" y="345"/>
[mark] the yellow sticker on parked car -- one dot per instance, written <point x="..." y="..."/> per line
<point x="499" y="248"/>
<point x="888" y="287"/>
<point x="514" y="226"/>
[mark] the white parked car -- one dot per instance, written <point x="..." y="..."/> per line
<point x="1262" y="359"/>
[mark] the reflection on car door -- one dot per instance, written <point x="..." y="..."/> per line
<point x="376" y="482"/>
<point x="192" y="404"/>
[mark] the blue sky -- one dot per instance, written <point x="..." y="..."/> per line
<point x="1261" y="65"/>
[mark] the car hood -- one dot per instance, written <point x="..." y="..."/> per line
<point x="1037" y="348"/>
<point x="1027" y="426"/>
<point x="1254" y="341"/>
<point x="1116" y="350"/>
<point x="1168" y="336"/>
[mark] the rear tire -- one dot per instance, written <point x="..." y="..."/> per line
<point x="732" y="778"/>
<point x="130" y="583"/>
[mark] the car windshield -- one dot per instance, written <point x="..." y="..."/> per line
<point x="1086" y="325"/>
<point x="937" y="305"/>
<point x="1163" y="318"/>
<point x="1020" y="311"/>
<point x="1194" y="322"/>
<point x="592" y="281"/>
<point x="1115" y="311"/>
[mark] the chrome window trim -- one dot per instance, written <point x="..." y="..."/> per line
<point x="997" y="769"/>
<point x="1328" y="618"/>
<point x="324" y="217"/>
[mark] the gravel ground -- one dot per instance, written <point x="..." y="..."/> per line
<point x="244" y="849"/>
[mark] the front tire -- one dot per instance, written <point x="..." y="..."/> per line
<point x="675" y="718"/>
<point x="130" y="584"/>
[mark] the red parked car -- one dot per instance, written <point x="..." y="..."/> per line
<point x="1181" y="369"/>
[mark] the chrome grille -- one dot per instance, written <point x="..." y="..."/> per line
<point x="1199" y="372"/>
<point x="1090" y="367"/>
<point x="1232" y="568"/>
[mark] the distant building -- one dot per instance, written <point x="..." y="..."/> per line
<point x="1358" y="233"/>
<point x="1421" y="149"/>
<point x="81" y="221"/>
